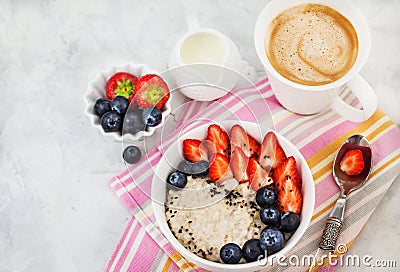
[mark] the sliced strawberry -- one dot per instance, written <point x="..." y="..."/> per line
<point x="241" y="139"/>
<point x="209" y="147"/>
<point x="271" y="153"/>
<point x="219" y="138"/>
<point x="193" y="150"/>
<point x="289" y="196"/>
<point x="352" y="162"/>
<point x="239" y="163"/>
<point x="151" y="91"/>
<point x="121" y="84"/>
<point x="287" y="169"/>
<point x="258" y="176"/>
<point x="219" y="168"/>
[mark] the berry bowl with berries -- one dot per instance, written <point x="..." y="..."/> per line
<point x="128" y="102"/>
<point x="229" y="196"/>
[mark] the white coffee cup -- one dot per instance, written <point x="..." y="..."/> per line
<point x="205" y="61"/>
<point x="304" y="99"/>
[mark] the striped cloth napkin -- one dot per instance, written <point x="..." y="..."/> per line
<point x="142" y="247"/>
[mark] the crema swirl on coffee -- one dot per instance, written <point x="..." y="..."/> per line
<point x="311" y="44"/>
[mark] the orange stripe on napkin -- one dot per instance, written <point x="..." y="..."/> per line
<point x="167" y="265"/>
<point x="181" y="262"/>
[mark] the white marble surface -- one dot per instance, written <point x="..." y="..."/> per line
<point x="57" y="212"/>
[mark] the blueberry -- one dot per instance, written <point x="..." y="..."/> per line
<point x="266" y="196"/>
<point x="185" y="167"/>
<point x="270" y="216"/>
<point x="177" y="179"/>
<point x="200" y="169"/>
<point x="230" y="253"/>
<point x="133" y="122"/>
<point x="251" y="250"/>
<point x="271" y="240"/>
<point x="102" y="106"/>
<point x="132" y="154"/>
<point x="119" y="105"/>
<point x="290" y="221"/>
<point x="111" y="122"/>
<point x="151" y="116"/>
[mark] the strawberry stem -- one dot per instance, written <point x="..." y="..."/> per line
<point x="154" y="94"/>
<point x="124" y="88"/>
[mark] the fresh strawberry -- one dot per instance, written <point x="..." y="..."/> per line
<point x="289" y="196"/>
<point x="151" y="91"/>
<point x="352" y="162"/>
<point x="219" y="168"/>
<point x="219" y="138"/>
<point x="239" y="163"/>
<point x="257" y="175"/>
<point x="121" y="84"/>
<point x="287" y="169"/>
<point x="270" y="153"/>
<point x="193" y="150"/>
<point x="241" y="139"/>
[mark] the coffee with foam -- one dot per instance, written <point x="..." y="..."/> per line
<point x="311" y="44"/>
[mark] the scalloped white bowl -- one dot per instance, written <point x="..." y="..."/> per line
<point x="171" y="157"/>
<point x="96" y="90"/>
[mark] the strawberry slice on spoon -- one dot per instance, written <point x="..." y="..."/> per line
<point x="352" y="162"/>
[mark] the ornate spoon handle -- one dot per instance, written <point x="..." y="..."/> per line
<point x="330" y="234"/>
<point x="333" y="225"/>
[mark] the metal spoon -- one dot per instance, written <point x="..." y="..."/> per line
<point x="347" y="185"/>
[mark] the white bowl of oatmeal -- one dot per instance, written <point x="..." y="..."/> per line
<point x="200" y="219"/>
